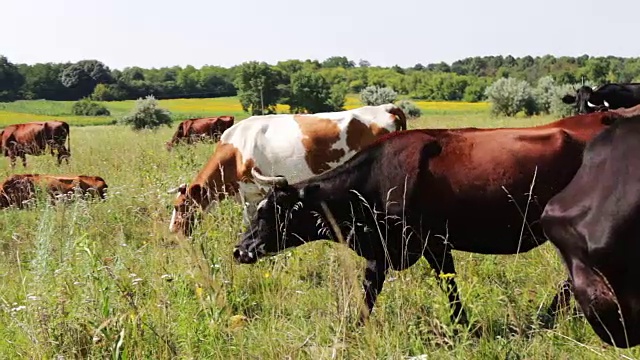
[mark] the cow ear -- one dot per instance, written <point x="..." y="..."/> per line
<point x="308" y="191"/>
<point x="568" y="99"/>
<point x="195" y="192"/>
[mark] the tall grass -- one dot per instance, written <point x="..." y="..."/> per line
<point x="106" y="280"/>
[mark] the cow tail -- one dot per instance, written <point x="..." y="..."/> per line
<point x="66" y="127"/>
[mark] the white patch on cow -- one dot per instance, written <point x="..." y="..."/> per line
<point x="172" y="224"/>
<point x="274" y="143"/>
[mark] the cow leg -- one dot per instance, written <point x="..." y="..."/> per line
<point x="24" y="159"/>
<point x="441" y="260"/>
<point x="12" y="158"/>
<point x="559" y="303"/>
<point x="374" y="276"/>
<point x="63" y="153"/>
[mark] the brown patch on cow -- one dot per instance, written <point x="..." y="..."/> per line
<point x="318" y="137"/>
<point x="218" y="179"/>
<point x="244" y="173"/>
<point x="359" y="135"/>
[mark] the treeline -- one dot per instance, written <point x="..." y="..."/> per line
<point x="261" y="83"/>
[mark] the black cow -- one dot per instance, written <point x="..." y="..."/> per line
<point x="608" y="96"/>
<point x="422" y="193"/>
<point x="595" y="225"/>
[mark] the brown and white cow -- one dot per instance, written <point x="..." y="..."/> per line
<point x="32" y="138"/>
<point x="192" y="130"/>
<point x="19" y="188"/>
<point x="297" y="146"/>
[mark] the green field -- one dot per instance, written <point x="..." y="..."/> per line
<point x="98" y="280"/>
<point x="39" y="110"/>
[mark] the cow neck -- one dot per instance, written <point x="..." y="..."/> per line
<point x="219" y="177"/>
<point x="335" y="185"/>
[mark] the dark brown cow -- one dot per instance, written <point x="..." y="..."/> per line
<point x="595" y="224"/>
<point x="19" y="188"/>
<point x="32" y="138"/>
<point x="423" y="193"/>
<point x="192" y="130"/>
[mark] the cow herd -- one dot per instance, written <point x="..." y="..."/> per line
<point x="395" y="195"/>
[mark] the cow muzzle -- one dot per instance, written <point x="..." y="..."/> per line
<point x="248" y="255"/>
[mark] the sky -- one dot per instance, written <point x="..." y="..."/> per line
<point x="158" y="33"/>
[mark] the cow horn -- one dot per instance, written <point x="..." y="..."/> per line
<point x="605" y="103"/>
<point x="176" y="189"/>
<point x="591" y="105"/>
<point x="270" y="180"/>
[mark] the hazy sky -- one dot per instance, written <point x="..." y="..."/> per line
<point x="164" y="33"/>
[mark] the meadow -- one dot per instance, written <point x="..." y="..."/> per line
<point x="97" y="280"/>
<point x="40" y="110"/>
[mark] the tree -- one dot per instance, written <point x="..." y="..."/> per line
<point x="338" y="96"/>
<point x="596" y="70"/>
<point x="10" y="80"/>
<point x="84" y="75"/>
<point x="130" y="74"/>
<point x="309" y="91"/>
<point x="364" y="63"/>
<point x="214" y="81"/>
<point x="338" y="61"/>
<point x="42" y="81"/>
<point x="442" y="86"/>
<point x="257" y="84"/>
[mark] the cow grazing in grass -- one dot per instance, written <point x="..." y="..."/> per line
<point x="33" y="138"/>
<point x="298" y="146"/>
<point x="595" y="225"/>
<point x="608" y="96"/>
<point x="423" y="193"/>
<point x="18" y="188"/>
<point x="192" y="130"/>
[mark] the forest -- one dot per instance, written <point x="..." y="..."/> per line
<point x="462" y="80"/>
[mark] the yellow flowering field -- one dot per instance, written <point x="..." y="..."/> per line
<point x="38" y="110"/>
<point x="11" y="117"/>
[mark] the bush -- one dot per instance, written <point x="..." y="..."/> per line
<point x="544" y="93"/>
<point x="86" y="107"/>
<point x="147" y="115"/>
<point x="409" y="108"/>
<point x="508" y="96"/>
<point x="375" y="95"/>
<point x="559" y="108"/>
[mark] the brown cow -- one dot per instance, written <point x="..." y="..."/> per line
<point x="192" y="130"/>
<point x="423" y="193"/>
<point x="19" y="188"/>
<point x="32" y="138"/>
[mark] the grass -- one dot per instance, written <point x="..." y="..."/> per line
<point x="106" y="279"/>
